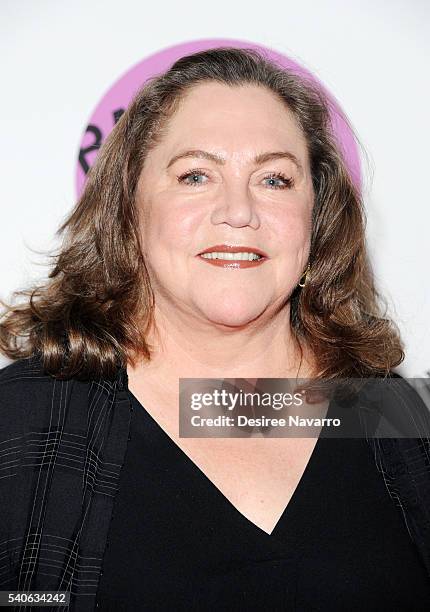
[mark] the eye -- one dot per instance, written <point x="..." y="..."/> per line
<point x="273" y="177"/>
<point x="194" y="175"/>
<point x="277" y="180"/>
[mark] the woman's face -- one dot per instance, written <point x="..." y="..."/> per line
<point x="190" y="201"/>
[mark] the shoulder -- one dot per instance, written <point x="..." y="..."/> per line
<point x="23" y="370"/>
<point x="25" y="390"/>
<point x="402" y="404"/>
<point x="23" y="376"/>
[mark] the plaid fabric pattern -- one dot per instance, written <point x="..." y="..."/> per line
<point x="404" y="463"/>
<point x="62" y="446"/>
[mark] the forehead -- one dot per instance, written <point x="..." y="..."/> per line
<point x="241" y="115"/>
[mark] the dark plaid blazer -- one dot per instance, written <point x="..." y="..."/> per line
<point x="62" y="446"/>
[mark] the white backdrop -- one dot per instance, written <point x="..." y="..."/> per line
<point x="59" y="58"/>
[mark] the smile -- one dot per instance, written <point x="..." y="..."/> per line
<point x="233" y="260"/>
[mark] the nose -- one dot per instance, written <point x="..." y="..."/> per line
<point x="236" y="207"/>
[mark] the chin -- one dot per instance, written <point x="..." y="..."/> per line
<point x="231" y="317"/>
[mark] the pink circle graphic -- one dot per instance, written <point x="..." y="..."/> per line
<point x="119" y="96"/>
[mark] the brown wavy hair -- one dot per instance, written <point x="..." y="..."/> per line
<point x="93" y="313"/>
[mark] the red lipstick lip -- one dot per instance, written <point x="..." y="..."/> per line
<point x="225" y="248"/>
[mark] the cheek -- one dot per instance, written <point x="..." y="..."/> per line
<point x="171" y="227"/>
<point x="293" y="228"/>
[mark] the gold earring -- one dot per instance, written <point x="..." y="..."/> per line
<point x="302" y="281"/>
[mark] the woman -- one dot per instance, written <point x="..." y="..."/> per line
<point x="223" y="150"/>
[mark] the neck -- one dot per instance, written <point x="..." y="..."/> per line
<point x="201" y="349"/>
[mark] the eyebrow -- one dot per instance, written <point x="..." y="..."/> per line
<point x="259" y="159"/>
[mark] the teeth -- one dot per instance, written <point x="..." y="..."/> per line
<point x="232" y="256"/>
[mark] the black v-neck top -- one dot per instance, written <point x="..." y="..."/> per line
<point x="176" y="543"/>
